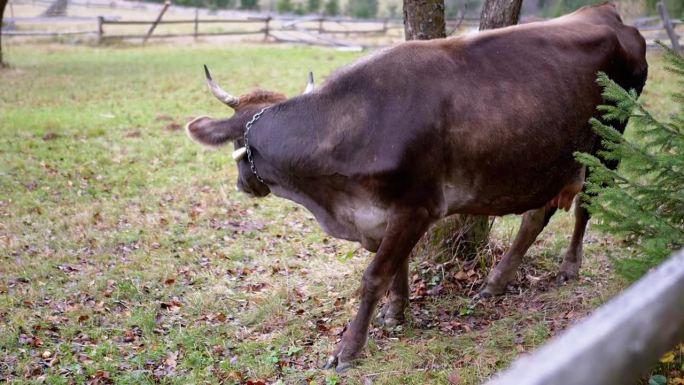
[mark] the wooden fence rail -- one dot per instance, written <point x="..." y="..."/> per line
<point x="196" y="22"/>
<point x="265" y="30"/>
<point x="618" y="343"/>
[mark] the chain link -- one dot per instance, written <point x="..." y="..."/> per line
<point x="248" y="126"/>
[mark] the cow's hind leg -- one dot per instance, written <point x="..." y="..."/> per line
<point x="572" y="260"/>
<point x="533" y="223"/>
<point x="403" y="231"/>
<point x="392" y="314"/>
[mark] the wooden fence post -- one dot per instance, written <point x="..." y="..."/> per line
<point x="100" y="29"/>
<point x="266" y="27"/>
<point x="667" y="24"/>
<point x="167" y="3"/>
<point x="320" y="25"/>
<point x="196" y="22"/>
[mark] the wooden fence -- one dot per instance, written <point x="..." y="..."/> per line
<point x="660" y="23"/>
<point x="102" y="22"/>
<point x="266" y="28"/>
<point x="316" y="30"/>
<point x="618" y="343"/>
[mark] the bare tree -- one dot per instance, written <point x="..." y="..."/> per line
<point x="57" y="8"/>
<point x="459" y="235"/>
<point x="499" y="13"/>
<point x="3" y="3"/>
<point x="424" y="19"/>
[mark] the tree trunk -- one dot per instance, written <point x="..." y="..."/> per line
<point x="459" y="235"/>
<point x="499" y="13"/>
<point x="3" y="3"/>
<point x="424" y="19"/>
<point x="57" y="8"/>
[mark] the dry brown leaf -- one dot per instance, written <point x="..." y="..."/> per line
<point x="461" y="276"/>
<point x="454" y="378"/>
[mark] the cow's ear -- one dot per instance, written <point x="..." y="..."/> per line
<point x="211" y="132"/>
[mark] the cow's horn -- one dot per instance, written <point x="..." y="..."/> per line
<point x="309" y="84"/>
<point x="222" y="95"/>
<point x="239" y="154"/>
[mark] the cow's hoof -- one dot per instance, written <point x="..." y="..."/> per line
<point x="565" y="276"/>
<point x="490" y="291"/>
<point x="389" y="317"/>
<point x="339" y="366"/>
<point x="346" y="352"/>
<point x="568" y="272"/>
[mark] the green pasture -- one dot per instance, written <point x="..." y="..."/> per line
<point x="127" y="256"/>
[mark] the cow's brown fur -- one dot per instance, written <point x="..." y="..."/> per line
<point x="484" y="124"/>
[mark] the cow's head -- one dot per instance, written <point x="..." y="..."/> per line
<point x="217" y="132"/>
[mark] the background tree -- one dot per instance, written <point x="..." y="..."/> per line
<point x="284" y="6"/>
<point x="249" y="4"/>
<point x="57" y="8"/>
<point x="3" y="3"/>
<point x="363" y="9"/>
<point x="313" y="6"/>
<point x="499" y="13"/>
<point x="424" y="19"/>
<point x="332" y="7"/>
<point x="674" y="7"/>
<point x="459" y="235"/>
<point x="643" y="200"/>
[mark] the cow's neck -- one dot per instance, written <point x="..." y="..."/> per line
<point x="295" y="145"/>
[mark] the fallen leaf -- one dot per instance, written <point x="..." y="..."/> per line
<point x="235" y="376"/>
<point x="173" y="127"/>
<point x="255" y="382"/>
<point x="50" y="136"/>
<point x="37" y="342"/>
<point x="454" y="378"/>
<point x="162" y="117"/>
<point x="461" y="276"/>
<point x="667" y="358"/>
<point x="171" y="360"/>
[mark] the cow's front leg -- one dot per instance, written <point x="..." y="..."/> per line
<point x="403" y="231"/>
<point x="533" y="223"/>
<point x="392" y="314"/>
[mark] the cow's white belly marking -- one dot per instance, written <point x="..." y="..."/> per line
<point x="455" y="197"/>
<point x="368" y="219"/>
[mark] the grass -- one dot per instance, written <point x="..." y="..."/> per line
<point x="127" y="257"/>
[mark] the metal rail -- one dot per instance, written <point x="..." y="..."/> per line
<point x="618" y="343"/>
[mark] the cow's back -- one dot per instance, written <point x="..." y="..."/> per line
<point x="490" y="120"/>
<point x="530" y="91"/>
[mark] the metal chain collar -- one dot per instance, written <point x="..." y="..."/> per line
<point x="248" y="126"/>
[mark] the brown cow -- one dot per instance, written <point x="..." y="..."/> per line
<point x="485" y="124"/>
